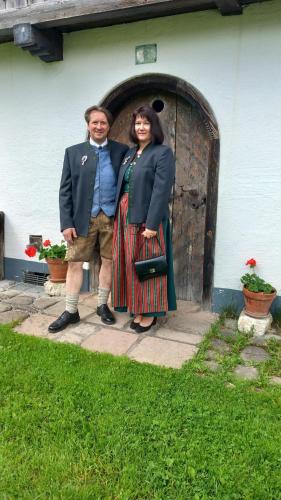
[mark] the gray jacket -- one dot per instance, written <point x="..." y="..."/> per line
<point x="150" y="185"/>
<point x="78" y="181"/>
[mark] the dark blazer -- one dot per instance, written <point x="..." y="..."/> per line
<point x="150" y="185"/>
<point x="78" y="181"/>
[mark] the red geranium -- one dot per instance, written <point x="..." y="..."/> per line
<point x="30" y="251"/>
<point x="47" y="250"/>
<point x="251" y="263"/>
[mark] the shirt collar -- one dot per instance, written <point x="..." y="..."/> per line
<point x="94" y="143"/>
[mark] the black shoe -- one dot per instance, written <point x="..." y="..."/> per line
<point x="133" y="325"/>
<point x="106" y="315"/>
<point x="66" y="318"/>
<point x="142" y="329"/>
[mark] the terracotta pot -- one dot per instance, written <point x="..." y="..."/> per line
<point x="57" y="269"/>
<point x="257" y="304"/>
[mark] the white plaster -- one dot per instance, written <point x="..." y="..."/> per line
<point x="233" y="61"/>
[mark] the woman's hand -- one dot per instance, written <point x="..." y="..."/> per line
<point x="149" y="233"/>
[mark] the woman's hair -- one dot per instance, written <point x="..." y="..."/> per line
<point x="157" y="134"/>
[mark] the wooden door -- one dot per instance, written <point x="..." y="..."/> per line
<point x="186" y="134"/>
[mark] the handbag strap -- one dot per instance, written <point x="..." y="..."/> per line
<point x="158" y="239"/>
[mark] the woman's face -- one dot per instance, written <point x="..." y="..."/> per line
<point x="143" y="130"/>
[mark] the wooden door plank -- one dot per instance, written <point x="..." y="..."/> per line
<point x="189" y="205"/>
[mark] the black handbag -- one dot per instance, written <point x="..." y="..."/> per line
<point x="151" y="267"/>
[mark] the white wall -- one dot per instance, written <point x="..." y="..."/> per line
<point x="233" y="61"/>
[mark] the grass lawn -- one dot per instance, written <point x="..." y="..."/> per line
<point x="79" y="425"/>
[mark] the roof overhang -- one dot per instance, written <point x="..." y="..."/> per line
<point x="68" y="15"/>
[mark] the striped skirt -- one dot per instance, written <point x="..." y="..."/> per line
<point x="128" y="293"/>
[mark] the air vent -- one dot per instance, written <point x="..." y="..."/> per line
<point x="34" y="278"/>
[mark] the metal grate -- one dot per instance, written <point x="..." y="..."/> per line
<point x="34" y="278"/>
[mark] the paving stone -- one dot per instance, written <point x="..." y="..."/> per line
<point x="263" y="340"/>
<point x="196" y="322"/>
<point x="211" y="355"/>
<point x="8" y="294"/>
<point x="221" y="346"/>
<point x="246" y="372"/>
<point x="187" y="338"/>
<point x="275" y="380"/>
<point x="111" y="341"/>
<point x="269" y="336"/>
<point x="4" y="307"/>
<point x="23" y="287"/>
<point x="231" y="323"/>
<point x="70" y="338"/>
<point x="258" y="341"/>
<point x="20" y="300"/>
<point x="90" y="300"/>
<point x="253" y="353"/>
<point x="121" y="320"/>
<point x="36" y="325"/>
<point x="5" y="284"/>
<point x="162" y="352"/>
<point x="13" y="315"/>
<point x="228" y="333"/>
<point x="44" y="302"/>
<point x="57" y="309"/>
<point x="212" y="365"/>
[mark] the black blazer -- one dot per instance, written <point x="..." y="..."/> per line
<point x="150" y="185"/>
<point x="78" y="181"/>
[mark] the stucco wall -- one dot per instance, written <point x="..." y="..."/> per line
<point x="233" y="61"/>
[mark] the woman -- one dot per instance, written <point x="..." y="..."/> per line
<point x="141" y="226"/>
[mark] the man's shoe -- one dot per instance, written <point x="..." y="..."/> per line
<point x="66" y="318"/>
<point x="106" y="315"/>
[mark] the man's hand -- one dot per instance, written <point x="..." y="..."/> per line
<point x="149" y="233"/>
<point x="69" y="235"/>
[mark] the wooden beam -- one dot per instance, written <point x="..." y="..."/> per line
<point x="229" y="7"/>
<point x="72" y="15"/>
<point x="46" y="44"/>
<point x="63" y="13"/>
<point x="1" y="245"/>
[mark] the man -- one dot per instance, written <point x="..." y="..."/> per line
<point x="87" y="199"/>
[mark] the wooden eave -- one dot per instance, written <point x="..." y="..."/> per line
<point x="69" y="15"/>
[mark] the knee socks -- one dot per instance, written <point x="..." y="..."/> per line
<point x="71" y="303"/>
<point x="103" y="294"/>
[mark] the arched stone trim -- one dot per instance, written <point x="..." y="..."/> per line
<point x="152" y="81"/>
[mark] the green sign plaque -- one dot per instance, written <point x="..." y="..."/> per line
<point x="146" y="53"/>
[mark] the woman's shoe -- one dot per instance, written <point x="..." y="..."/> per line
<point x="142" y="329"/>
<point x="133" y="325"/>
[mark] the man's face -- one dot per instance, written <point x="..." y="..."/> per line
<point x="98" y="126"/>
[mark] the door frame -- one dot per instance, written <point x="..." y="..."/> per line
<point x="127" y="89"/>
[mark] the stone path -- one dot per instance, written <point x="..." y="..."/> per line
<point x="170" y="343"/>
<point x="254" y="353"/>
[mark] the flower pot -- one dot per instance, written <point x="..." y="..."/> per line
<point x="57" y="269"/>
<point x="257" y="304"/>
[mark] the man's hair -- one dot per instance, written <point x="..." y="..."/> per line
<point x="101" y="109"/>
<point x="157" y="134"/>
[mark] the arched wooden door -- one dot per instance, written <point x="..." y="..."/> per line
<point x="187" y="135"/>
